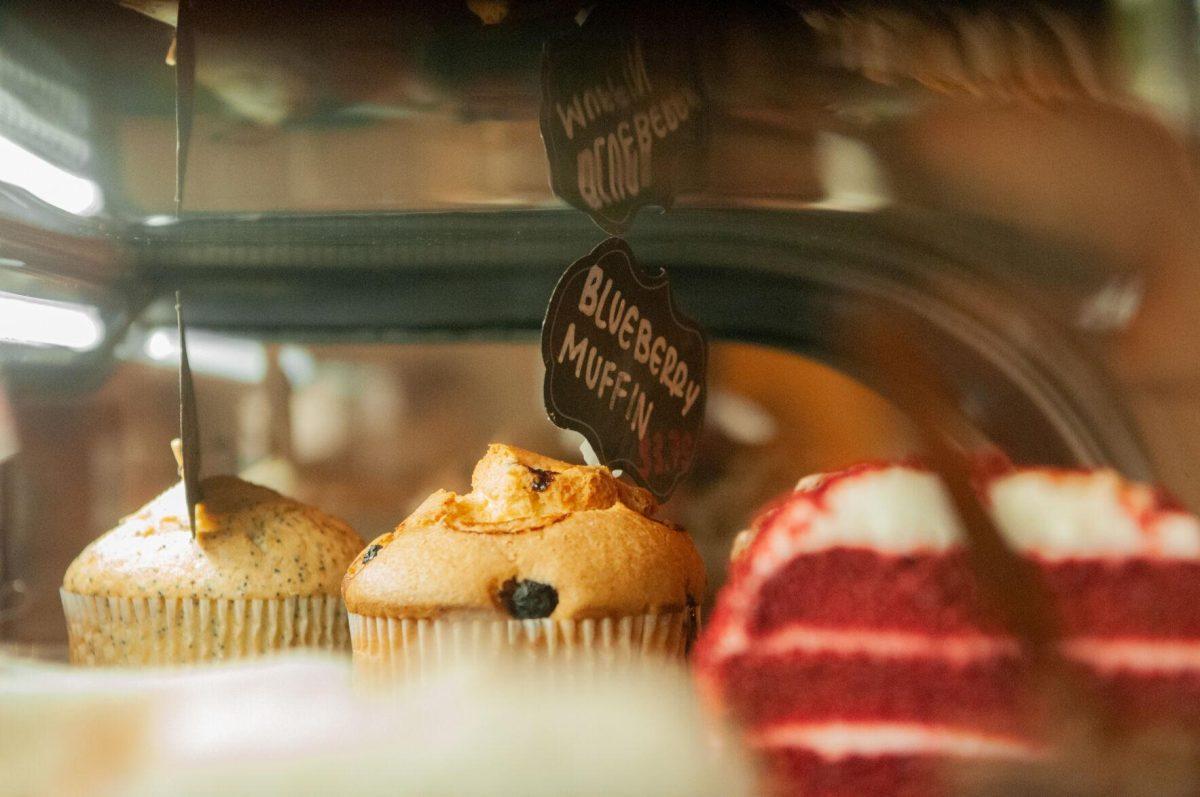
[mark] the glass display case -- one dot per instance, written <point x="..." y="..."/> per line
<point x="368" y="239"/>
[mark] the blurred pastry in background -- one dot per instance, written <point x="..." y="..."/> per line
<point x="853" y="647"/>
<point x="260" y="574"/>
<point x="541" y="558"/>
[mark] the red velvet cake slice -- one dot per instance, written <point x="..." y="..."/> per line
<point x="851" y="646"/>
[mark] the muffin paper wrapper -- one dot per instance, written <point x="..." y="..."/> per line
<point x="140" y="631"/>
<point x="385" y="646"/>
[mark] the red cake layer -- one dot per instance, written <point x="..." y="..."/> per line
<point x="795" y="772"/>
<point x="857" y="588"/>
<point x="832" y="687"/>
<point x="1162" y="699"/>
<point x="933" y="592"/>
<point x="983" y="695"/>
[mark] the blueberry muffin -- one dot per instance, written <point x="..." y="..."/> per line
<point x="261" y="574"/>
<point x="541" y="558"/>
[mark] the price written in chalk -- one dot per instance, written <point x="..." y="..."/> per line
<point x="624" y="367"/>
<point x="663" y="453"/>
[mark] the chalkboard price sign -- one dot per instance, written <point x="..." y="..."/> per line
<point x="624" y="367"/>
<point x="620" y="110"/>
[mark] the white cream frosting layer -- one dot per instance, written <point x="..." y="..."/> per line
<point x="960" y="649"/>
<point x="1048" y="513"/>
<point x="837" y="740"/>
<point x="1102" y="654"/>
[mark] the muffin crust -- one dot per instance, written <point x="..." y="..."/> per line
<point x="529" y="518"/>
<point x="251" y="543"/>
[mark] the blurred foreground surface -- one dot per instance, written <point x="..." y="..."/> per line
<point x="297" y="725"/>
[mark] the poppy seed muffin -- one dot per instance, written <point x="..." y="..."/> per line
<point x="261" y="574"/>
<point x="541" y="556"/>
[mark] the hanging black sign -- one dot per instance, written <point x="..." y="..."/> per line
<point x="620" y="109"/>
<point x="624" y="367"/>
<point x="189" y="425"/>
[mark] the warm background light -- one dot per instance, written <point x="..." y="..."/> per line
<point x="47" y="182"/>
<point x="40" y="323"/>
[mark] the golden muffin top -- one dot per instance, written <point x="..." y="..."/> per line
<point x="251" y="542"/>
<point x="535" y="537"/>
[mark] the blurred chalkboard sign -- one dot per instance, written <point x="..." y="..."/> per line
<point x="621" y="108"/>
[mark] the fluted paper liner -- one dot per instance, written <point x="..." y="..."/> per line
<point x="140" y="631"/>
<point x="416" y="647"/>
